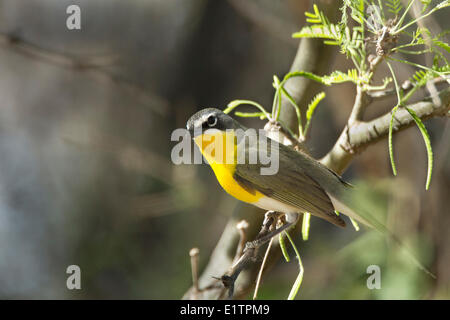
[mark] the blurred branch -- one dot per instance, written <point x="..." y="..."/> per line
<point x="131" y="157"/>
<point x="264" y="18"/>
<point x="35" y="52"/>
<point x="92" y="66"/>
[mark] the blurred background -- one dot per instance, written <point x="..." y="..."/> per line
<point x="85" y="170"/>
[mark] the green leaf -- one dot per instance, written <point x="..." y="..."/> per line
<point x="427" y="141"/>
<point x="391" y="123"/>
<point x="236" y="103"/>
<point x="395" y="6"/>
<point x="340" y="77"/>
<point x="421" y="77"/>
<point x="299" y="279"/>
<point x="305" y="74"/>
<point x="280" y="90"/>
<point x="425" y="3"/>
<point x="314" y="17"/>
<point x="319" y="32"/>
<point x="296" y="108"/>
<point x="441" y="71"/>
<point x="400" y="21"/>
<point x="283" y="248"/>
<point x="305" y="226"/>
<point x="261" y="115"/>
<point x="321" y="28"/>
<point x="317" y="17"/>
<point x="311" y="108"/>
<point x="355" y="224"/>
<point x="442" y="4"/>
<point x="442" y="45"/>
<point x="439" y="6"/>
<point x="391" y="148"/>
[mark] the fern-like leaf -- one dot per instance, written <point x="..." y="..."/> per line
<point x="339" y="77"/>
<point x="330" y="31"/>
<point x="321" y="28"/>
<point x="442" y="45"/>
<point x="311" y="108"/>
<point x="394" y="6"/>
<point x="421" y="77"/>
<point x="425" y="4"/>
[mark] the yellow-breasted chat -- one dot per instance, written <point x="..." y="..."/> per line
<point x="300" y="184"/>
<point x="295" y="187"/>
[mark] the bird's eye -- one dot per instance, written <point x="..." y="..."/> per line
<point x="211" y="121"/>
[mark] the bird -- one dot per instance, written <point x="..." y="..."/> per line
<point x="301" y="184"/>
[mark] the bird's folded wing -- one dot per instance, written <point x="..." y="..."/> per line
<point x="291" y="186"/>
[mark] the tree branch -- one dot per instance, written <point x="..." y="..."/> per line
<point x="362" y="100"/>
<point x="355" y="138"/>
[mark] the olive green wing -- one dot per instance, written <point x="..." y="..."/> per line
<point x="290" y="185"/>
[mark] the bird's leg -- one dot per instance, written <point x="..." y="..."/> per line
<point x="268" y="231"/>
<point x="291" y="220"/>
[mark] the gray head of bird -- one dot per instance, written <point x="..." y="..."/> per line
<point x="211" y="118"/>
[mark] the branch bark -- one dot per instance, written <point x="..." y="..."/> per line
<point x="358" y="136"/>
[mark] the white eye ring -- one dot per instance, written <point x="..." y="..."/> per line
<point x="211" y="121"/>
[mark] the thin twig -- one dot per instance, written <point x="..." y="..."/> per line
<point x="242" y="227"/>
<point x="258" y="279"/>
<point x="380" y="94"/>
<point x="194" y="253"/>
<point x="268" y="231"/>
<point x="249" y="254"/>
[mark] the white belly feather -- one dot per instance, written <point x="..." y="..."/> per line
<point x="267" y="203"/>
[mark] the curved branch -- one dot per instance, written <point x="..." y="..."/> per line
<point x="358" y="136"/>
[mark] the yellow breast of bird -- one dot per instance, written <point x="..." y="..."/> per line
<point x="219" y="149"/>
